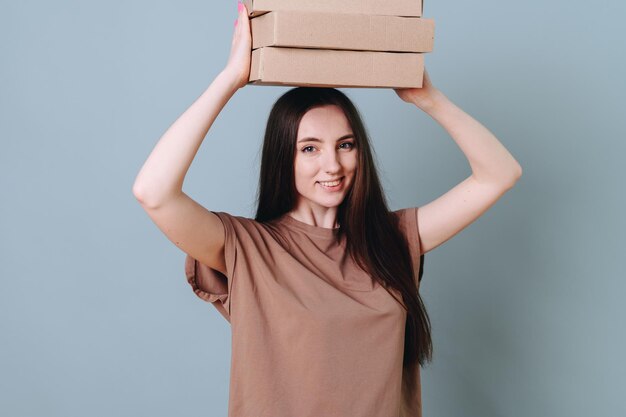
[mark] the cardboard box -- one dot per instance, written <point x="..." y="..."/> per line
<point x="333" y="68"/>
<point x="342" y="31"/>
<point x="371" y="7"/>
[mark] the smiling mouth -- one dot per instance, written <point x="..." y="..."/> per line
<point x="331" y="184"/>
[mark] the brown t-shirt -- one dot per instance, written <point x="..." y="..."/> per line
<point x="312" y="334"/>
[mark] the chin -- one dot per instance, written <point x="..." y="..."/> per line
<point x="331" y="203"/>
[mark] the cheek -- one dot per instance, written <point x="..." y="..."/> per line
<point x="304" y="172"/>
<point x="350" y="163"/>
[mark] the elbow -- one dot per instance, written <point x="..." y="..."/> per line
<point x="152" y="200"/>
<point x="504" y="179"/>
<point x="140" y="194"/>
<point x="515" y="176"/>
<point x="518" y="172"/>
<point x="137" y="193"/>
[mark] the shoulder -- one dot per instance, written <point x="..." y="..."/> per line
<point x="405" y="211"/>
<point x="235" y="219"/>
<point x="407" y="223"/>
<point x="407" y="217"/>
<point x="243" y="226"/>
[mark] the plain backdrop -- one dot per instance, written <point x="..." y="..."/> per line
<point x="96" y="317"/>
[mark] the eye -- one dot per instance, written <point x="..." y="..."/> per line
<point x="305" y="148"/>
<point x="351" y="145"/>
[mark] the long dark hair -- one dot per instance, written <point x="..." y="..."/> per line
<point x="363" y="215"/>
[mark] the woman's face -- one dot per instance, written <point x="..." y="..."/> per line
<point x="325" y="151"/>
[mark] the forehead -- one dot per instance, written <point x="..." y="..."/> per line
<point x="325" y="122"/>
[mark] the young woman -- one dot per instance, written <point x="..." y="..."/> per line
<point x="321" y="288"/>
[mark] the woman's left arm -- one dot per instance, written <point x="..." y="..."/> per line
<point x="494" y="170"/>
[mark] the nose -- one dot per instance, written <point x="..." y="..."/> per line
<point x="331" y="163"/>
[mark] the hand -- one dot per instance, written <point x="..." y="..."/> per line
<point x="241" y="49"/>
<point x="422" y="97"/>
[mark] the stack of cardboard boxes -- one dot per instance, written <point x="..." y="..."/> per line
<point x="339" y="43"/>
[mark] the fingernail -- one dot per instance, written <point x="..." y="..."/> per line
<point x="239" y="6"/>
<point x="236" y="20"/>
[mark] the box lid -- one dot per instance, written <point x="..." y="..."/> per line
<point x="371" y="7"/>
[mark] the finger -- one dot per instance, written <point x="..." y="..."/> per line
<point x="238" y="19"/>
<point x="241" y="14"/>
<point x="242" y="8"/>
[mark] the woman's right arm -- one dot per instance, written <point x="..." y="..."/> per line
<point x="158" y="186"/>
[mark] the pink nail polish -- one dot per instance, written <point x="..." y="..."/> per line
<point x="236" y="20"/>
<point x="239" y="6"/>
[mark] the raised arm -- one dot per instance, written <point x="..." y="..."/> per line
<point x="494" y="170"/>
<point x="158" y="186"/>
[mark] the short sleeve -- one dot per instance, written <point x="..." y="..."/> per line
<point x="408" y="225"/>
<point x="209" y="284"/>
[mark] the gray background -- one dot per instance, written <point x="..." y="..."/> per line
<point x="96" y="317"/>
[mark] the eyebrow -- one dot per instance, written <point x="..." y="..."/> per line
<point x="312" y="139"/>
